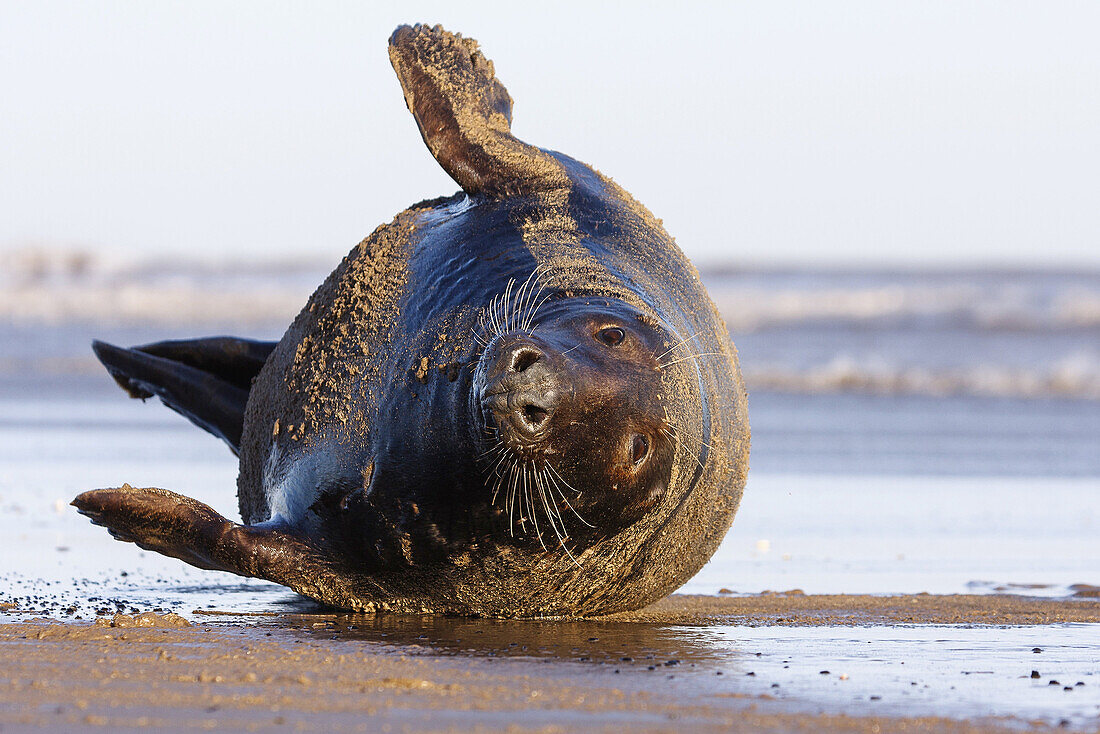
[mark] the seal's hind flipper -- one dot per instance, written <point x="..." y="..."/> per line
<point x="206" y="380"/>
<point x="465" y="115"/>
<point x="184" y="528"/>
<point x="233" y="360"/>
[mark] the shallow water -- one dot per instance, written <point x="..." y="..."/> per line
<point x="912" y="670"/>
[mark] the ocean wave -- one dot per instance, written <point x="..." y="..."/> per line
<point x="168" y="295"/>
<point x="1074" y="380"/>
<point x="1004" y="307"/>
<point x="55" y="285"/>
<point x="1018" y="334"/>
<point x="1076" y="377"/>
<point x="157" y="303"/>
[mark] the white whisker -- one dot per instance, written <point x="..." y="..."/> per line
<point x="563" y="497"/>
<point x="531" y="507"/>
<point x="510" y="496"/>
<point x="684" y="359"/>
<point x="675" y="346"/>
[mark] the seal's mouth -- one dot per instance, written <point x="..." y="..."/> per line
<point x="522" y="418"/>
<point x="520" y="422"/>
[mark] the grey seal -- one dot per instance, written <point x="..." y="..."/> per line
<point x="514" y="401"/>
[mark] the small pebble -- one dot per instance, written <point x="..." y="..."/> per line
<point x="1054" y="683"/>
<point x="824" y="672"/>
<point x="1035" y="674"/>
<point x="1036" y="649"/>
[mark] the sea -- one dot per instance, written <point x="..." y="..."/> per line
<point x="912" y="431"/>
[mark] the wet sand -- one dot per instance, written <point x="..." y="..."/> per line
<point x="336" y="672"/>
<point x="795" y="608"/>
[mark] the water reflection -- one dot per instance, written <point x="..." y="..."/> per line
<point x="587" y="641"/>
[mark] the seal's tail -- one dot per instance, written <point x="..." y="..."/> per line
<point x="465" y="115"/>
<point x="206" y="380"/>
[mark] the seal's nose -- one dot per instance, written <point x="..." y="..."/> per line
<point x="536" y="404"/>
<point x="525" y="390"/>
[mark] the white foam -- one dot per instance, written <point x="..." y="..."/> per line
<point x="1074" y="377"/>
<point x="1001" y="306"/>
<point x="69" y="286"/>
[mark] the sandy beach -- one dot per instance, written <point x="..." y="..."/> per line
<point x="337" y="672"/>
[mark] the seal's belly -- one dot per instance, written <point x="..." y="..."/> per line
<point x="293" y="481"/>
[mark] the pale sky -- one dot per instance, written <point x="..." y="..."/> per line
<point x="869" y="133"/>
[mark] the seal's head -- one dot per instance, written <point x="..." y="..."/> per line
<point x="578" y="438"/>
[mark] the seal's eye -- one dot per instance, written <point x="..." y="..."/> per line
<point x="639" y="449"/>
<point x="612" y="336"/>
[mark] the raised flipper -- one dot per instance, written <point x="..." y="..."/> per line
<point x="183" y="528"/>
<point x="205" y="380"/>
<point x="465" y="115"/>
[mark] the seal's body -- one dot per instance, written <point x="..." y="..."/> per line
<point x="518" y="400"/>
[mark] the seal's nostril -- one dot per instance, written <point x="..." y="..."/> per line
<point x="524" y="358"/>
<point x="535" y="416"/>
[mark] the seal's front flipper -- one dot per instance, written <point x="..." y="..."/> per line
<point x="465" y="115"/>
<point x="158" y="520"/>
<point x="183" y="528"/>
<point x="205" y="380"/>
